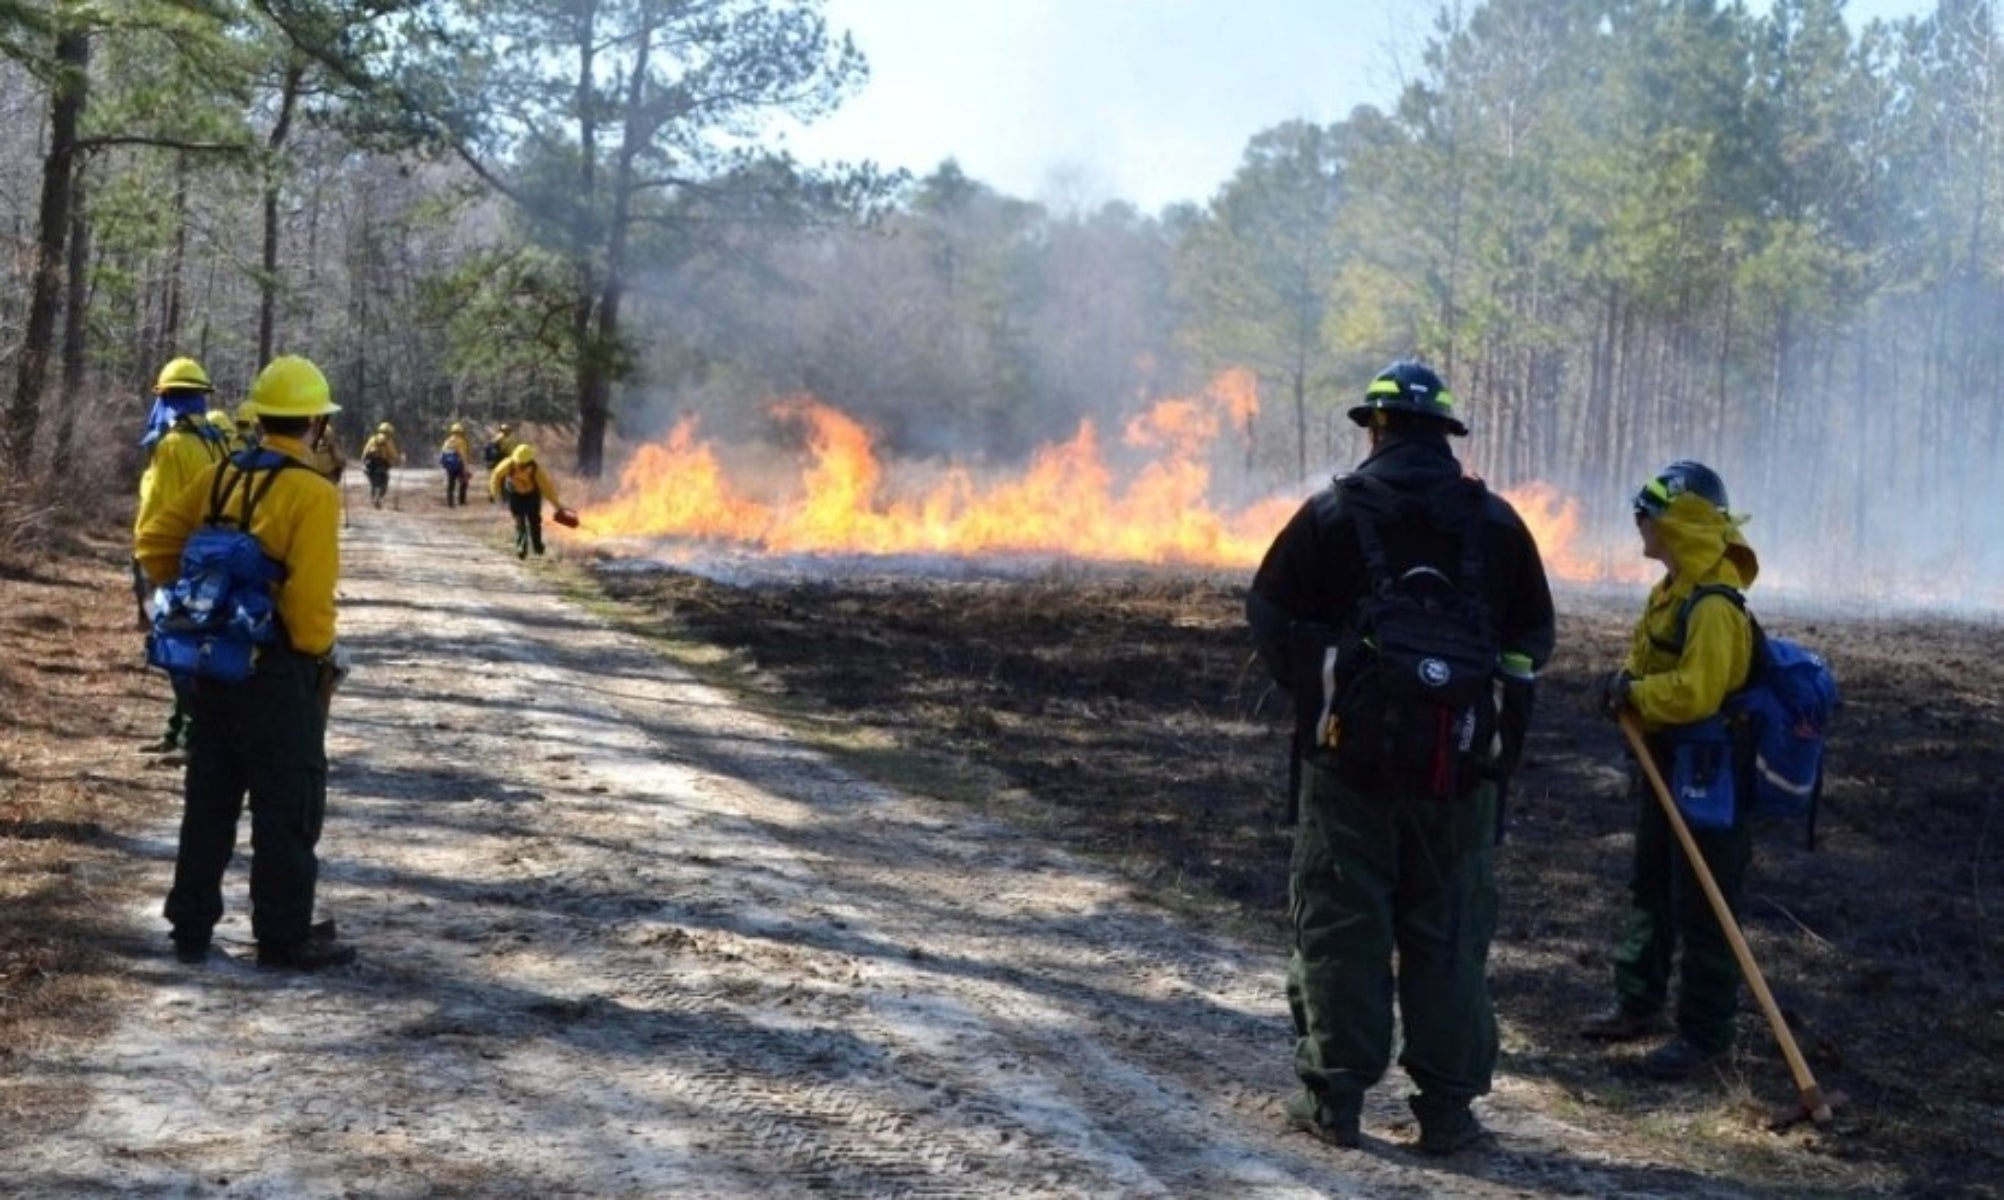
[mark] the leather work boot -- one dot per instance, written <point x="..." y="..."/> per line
<point x="1447" y="1128"/>
<point x="1318" y="1120"/>
<point x="1679" y="1059"/>
<point x="1620" y="1024"/>
<point x="313" y="954"/>
<point x="192" y="949"/>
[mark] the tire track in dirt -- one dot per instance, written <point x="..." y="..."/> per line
<point x="621" y="938"/>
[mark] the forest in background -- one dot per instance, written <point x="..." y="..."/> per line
<point x="1625" y="230"/>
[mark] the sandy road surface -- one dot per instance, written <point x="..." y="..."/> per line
<point x="620" y="938"/>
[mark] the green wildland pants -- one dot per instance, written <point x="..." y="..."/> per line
<point x="527" y="509"/>
<point x="1667" y="909"/>
<point x="1375" y="875"/>
<point x="265" y="738"/>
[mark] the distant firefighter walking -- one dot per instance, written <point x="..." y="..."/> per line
<point x="379" y="454"/>
<point x="498" y="448"/>
<point x="525" y="485"/>
<point x="455" y="457"/>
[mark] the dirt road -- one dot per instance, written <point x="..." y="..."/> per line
<point x="620" y="938"/>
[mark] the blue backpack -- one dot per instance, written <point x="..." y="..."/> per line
<point x="451" y="461"/>
<point x="210" y="622"/>
<point x="1785" y="710"/>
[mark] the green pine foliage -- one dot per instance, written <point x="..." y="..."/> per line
<point x="1626" y="230"/>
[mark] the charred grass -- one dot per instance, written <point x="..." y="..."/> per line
<point x="1124" y="714"/>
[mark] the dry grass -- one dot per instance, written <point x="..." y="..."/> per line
<point x="74" y="702"/>
<point x="73" y="699"/>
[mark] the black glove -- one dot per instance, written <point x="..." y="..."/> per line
<point x="1614" y="694"/>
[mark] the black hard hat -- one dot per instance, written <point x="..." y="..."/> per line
<point x="1409" y="387"/>
<point x="1679" y="477"/>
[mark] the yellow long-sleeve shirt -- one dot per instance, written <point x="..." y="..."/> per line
<point x="457" y="442"/>
<point x="383" y="446"/>
<point x="522" y="480"/>
<point x="1679" y="685"/>
<point x="298" y="522"/>
<point x="179" y="456"/>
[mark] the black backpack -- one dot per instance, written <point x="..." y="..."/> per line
<point x="1407" y="693"/>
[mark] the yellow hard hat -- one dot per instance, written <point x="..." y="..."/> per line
<point x="386" y="427"/>
<point x="524" y="454"/>
<point x="182" y="375"/>
<point x="290" y="386"/>
<point x="505" y="427"/>
<point x="457" y="428"/>
<point x="246" y="413"/>
<point x="220" y="420"/>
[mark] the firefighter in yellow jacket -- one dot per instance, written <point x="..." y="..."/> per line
<point x="455" y="455"/>
<point x="179" y="443"/>
<point x="379" y="454"/>
<point x="1687" y="654"/>
<point x="323" y="454"/>
<point x="245" y="421"/>
<point x="498" y="448"/>
<point x="265" y="736"/>
<point x="220" y="420"/>
<point x="526" y="485"/>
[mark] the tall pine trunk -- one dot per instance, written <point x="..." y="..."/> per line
<point x="267" y="298"/>
<point x="66" y="107"/>
<point x="75" y="325"/>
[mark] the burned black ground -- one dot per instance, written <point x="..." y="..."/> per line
<point x="1129" y="706"/>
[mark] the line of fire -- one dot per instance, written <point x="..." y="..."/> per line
<point x="1158" y="507"/>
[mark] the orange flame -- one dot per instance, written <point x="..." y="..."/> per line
<point x="1069" y="501"/>
<point x="1554" y="521"/>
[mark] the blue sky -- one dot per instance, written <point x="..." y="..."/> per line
<point x="1075" y="102"/>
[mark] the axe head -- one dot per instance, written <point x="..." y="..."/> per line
<point x="1816" y="1106"/>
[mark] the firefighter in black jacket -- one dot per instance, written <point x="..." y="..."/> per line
<point x="1380" y="869"/>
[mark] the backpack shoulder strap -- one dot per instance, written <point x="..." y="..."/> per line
<point x="271" y="474"/>
<point x="1674" y="644"/>
<point x="1471" y="533"/>
<point x="207" y="436"/>
<point x="247" y="464"/>
<point x="220" y="489"/>
<point x="1370" y="502"/>
<point x="1367" y="502"/>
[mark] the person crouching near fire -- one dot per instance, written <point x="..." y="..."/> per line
<point x="522" y="481"/>
<point x="1689" y="652"/>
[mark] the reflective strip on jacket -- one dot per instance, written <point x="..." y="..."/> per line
<point x="298" y="522"/>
